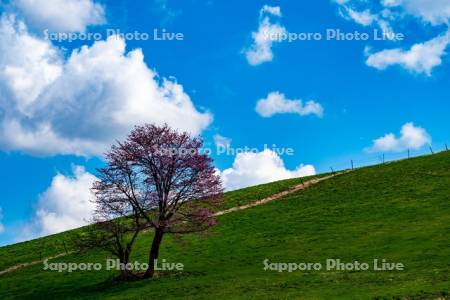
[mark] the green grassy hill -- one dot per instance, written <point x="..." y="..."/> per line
<point x="398" y="211"/>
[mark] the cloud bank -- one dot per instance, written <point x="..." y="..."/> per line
<point x="257" y="168"/>
<point x="61" y="15"/>
<point x="411" y="137"/>
<point x="80" y="105"/>
<point x="65" y="205"/>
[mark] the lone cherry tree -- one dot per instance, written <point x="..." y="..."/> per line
<point x="161" y="175"/>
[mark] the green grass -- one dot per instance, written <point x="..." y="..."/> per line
<point x="398" y="211"/>
<point x="35" y="250"/>
<point x="54" y="244"/>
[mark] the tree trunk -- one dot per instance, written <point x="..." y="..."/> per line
<point x="154" y="252"/>
<point x="125" y="275"/>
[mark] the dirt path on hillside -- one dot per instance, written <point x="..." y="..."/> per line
<point x="277" y="196"/>
<point x="20" y="266"/>
<point x="274" y="197"/>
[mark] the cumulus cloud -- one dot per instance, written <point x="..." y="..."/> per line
<point x="251" y="168"/>
<point x="65" y="205"/>
<point x="268" y="33"/>
<point x="62" y="15"/>
<point x="27" y="65"/>
<point x="2" y="228"/>
<point x="80" y="105"/>
<point x="420" y="58"/>
<point x="277" y="103"/>
<point x="411" y="137"/>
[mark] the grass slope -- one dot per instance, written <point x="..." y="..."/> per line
<point x="398" y="211"/>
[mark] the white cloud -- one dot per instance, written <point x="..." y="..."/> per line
<point x="391" y="3"/>
<point x="221" y="141"/>
<point x="420" y="58"/>
<point x="268" y="34"/>
<point x="256" y="168"/>
<point x="411" y="137"/>
<point x="2" y="228"/>
<point x="364" y="18"/>
<point x="81" y="104"/>
<point x="274" y="10"/>
<point x="277" y="103"/>
<point x="435" y="12"/>
<point x="367" y="18"/>
<point x="62" y="15"/>
<point x="66" y="204"/>
<point x="27" y="64"/>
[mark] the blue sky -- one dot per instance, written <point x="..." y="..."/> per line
<point x="62" y="103"/>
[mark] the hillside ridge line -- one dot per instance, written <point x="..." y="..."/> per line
<point x="271" y="198"/>
<point x="279" y="195"/>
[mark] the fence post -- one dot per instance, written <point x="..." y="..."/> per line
<point x="352" y="163"/>
<point x="383" y="158"/>
<point x="446" y="147"/>
<point x="64" y="244"/>
<point x="408" y="154"/>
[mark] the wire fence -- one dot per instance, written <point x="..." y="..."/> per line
<point x="63" y="244"/>
<point x="372" y="159"/>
